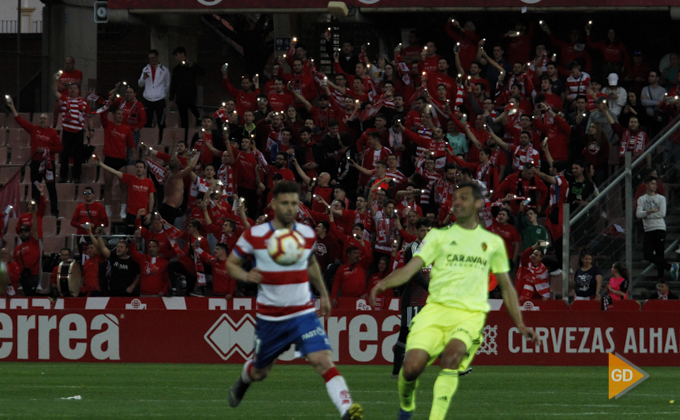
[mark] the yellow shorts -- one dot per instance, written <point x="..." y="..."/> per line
<point x="436" y="325"/>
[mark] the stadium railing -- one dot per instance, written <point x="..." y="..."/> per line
<point x="606" y="225"/>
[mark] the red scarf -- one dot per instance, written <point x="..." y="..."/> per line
<point x="634" y="143"/>
<point x="535" y="278"/>
<point x="157" y="170"/>
<point x="46" y="166"/>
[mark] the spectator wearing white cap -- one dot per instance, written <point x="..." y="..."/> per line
<point x="617" y="95"/>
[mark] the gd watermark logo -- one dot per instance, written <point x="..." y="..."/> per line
<point x="623" y="376"/>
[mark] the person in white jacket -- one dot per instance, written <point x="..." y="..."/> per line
<point x="617" y="94"/>
<point x="155" y="79"/>
<point x="651" y="208"/>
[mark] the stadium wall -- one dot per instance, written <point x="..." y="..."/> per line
<point x="212" y="330"/>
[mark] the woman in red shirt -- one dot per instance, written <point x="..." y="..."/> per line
<point x="614" y="52"/>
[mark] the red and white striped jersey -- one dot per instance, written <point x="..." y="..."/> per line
<point x="578" y="86"/>
<point x="73" y="111"/>
<point x="284" y="292"/>
<point x="433" y="177"/>
<point x="520" y="157"/>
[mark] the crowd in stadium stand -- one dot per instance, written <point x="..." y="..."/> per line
<point x="377" y="146"/>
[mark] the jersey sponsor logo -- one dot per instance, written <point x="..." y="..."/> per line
<point x="318" y="332"/>
<point x="228" y="337"/>
<point x="469" y="260"/>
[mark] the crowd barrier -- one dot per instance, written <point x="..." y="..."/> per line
<point x="214" y="330"/>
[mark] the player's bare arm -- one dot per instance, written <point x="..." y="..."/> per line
<point x="397" y="278"/>
<point x="510" y="299"/>
<point x="235" y="271"/>
<point x="316" y="279"/>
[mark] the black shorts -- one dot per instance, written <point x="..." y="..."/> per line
<point x="115" y="163"/>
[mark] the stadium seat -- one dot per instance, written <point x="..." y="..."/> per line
<point x="66" y="229"/>
<point x="171" y="119"/>
<point x="148" y="135"/>
<point x="53" y="244"/>
<point x="11" y="226"/>
<point x="586" y="305"/>
<point x="98" y="137"/>
<point x="625" y="305"/>
<point x="66" y="208"/>
<point x="6" y="173"/>
<point x="3" y="155"/>
<point x="66" y="192"/>
<point x="49" y="225"/>
<point x="19" y="155"/>
<point x="11" y="122"/>
<point x="18" y="137"/>
<point x="661" y="305"/>
<point x="3" y="136"/>
<point x="89" y="173"/>
<point x="166" y="141"/>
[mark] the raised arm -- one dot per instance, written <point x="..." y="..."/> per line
<point x="109" y="169"/>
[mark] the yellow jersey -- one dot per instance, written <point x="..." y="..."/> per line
<point x="462" y="259"/>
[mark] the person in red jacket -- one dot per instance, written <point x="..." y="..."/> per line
<point x="222" y="284"/>
<point x="556" y="130"/>
<point x="27" y="255"/>
<point x="89" y="211"/>
<point x="350" y="278"/>
<point x="613" y="51"/>
<point x="26" y="219"/>
<point x="156" y="233"/>
<point x="246" y="96"/>
<point x="140" y="191"/>
<point x="117" y="137"/>
<point x="45" y="142"/>
<point x="532" y="277"/>
<point x="153" y="269"/>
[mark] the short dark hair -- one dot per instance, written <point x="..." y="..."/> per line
<point x="423" y="221"/>
<point x="67" y="250"/>
<point x="476" y="190"/>
<point x="325" y="225"/>
<point x="285" y="187"/>
<point x="361" y="225"/>
<point x="140" y="161"/>
<point x="179" y="50"/>
<point x="332" y="122"/>
<point x="381" y="162"/>
<point x="196" y="224"/>
<point x="154" y="52"/>
<point x="351" y="249"/>
<point x="649" y="178"/>
<point x="223" y="246"/>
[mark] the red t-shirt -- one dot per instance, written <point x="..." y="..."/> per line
<point x="153" y="272"/>
<point x="116" y="137"/>
<point x="138" y="192"/>
<point x="96" y="215"/>
<point x="27" y="255"/>
<point x="510" y="235"/>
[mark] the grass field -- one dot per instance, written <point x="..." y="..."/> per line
<point x="132" y="391"/>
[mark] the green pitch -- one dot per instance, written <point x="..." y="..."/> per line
<point x="143" y="391"/>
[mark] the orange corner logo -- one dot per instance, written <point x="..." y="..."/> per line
<point x="484" y="246"/>
<point x="623" y="376"/>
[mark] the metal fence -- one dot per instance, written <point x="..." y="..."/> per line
<point x="606" y="224"/>
<point x="10" y="27"/>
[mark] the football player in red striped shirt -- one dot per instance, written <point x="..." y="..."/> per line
<point x="285" y="309"/>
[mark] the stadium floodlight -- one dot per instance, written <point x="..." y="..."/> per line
<point x="101" y="11"/>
